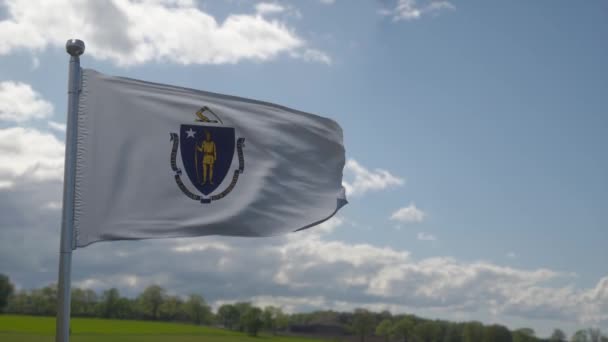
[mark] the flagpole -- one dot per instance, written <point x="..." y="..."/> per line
<point x="74" y="48"/>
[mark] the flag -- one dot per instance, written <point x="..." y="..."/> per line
<point x="159" y="161"/>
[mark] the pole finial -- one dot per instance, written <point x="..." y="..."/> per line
<point x="75" y="47"/>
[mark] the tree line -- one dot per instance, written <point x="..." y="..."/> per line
<point x="370" y="326"/>
<point x="155" y="304"/>
<point x="152" y="304"/>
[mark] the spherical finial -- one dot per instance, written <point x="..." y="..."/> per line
<point x="75" y="47"/>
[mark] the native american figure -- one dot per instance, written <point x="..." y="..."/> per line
<point x="207" y="148"/>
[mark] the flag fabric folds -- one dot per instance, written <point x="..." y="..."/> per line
<point x="158" y="161"/>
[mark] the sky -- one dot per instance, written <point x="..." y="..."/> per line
<point x="475" y="134"/>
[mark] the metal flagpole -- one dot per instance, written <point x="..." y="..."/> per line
<point x="75" y="48"/>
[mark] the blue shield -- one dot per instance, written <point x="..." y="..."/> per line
<point x="207" y="153"/>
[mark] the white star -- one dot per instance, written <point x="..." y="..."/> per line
<point x="190" y="133"/>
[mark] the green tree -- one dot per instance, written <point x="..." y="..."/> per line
<point x="524" y="335"/>
<point x="594" y="334"/>
<point x="428" y="331"/>
<point x="20" y="303"/>
<point x="77" y="302"/>
<point x="527" y="331"/>
<point x="124" y="308"/>
<point x="151" y="300"/>
<point x="90" y="302"/>
<point x="228" y="316"/>
<point x="558" y="335"/>
<point x="472" y="332"/>
<point x="251" y="321"/>
<point x="589" y="335"/>
<point x="518" y="336"/>
<point x="281" y="321"/>
<point x="580" y="336"/>
<point x="197" y="309"/>
<point x="453" y="333"/>
<point x="385" y="329"/>
<point x="83" y="302"/>
<point x="241" y="308"/>
<point x="270" y="318"/>
<point x="363" y="323"/>
<point x="496" y="333"/>
<point x="171" y="309"/>
<point x="384" y="314"/>
<point x="403" y="328"/>
<point x="109" y="304"/>
<point x="44" y="301"/>
<point x="6" y="290"/>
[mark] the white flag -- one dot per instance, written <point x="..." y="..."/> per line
<point x="157" y="161"/>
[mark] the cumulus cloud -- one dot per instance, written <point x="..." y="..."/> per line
<point x="413" y="9"/>
<point x="19" y="102"/>
<point x="268" y="8"/>
<point x="139" y="34"/>
<point x="310" y="272"/>
<point x="26" y="153"/>
<point x="29" y="154"/>
<point x="359" y="180"/>
<point x="57" y="126"/>
<point x="328" y="226"/>
<point x="409" y="214"/>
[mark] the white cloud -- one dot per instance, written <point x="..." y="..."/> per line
<point x="30" y="154"/>
<point x="340" y="275"/>
<point x="327" y="2"/>
<point x="511" y="255"/>
<point x="19" y="102"/>
<point x="201" y="246"/>
<point x="314" y="55"/>
<point x="409" y="214"/>
<point x="57" y="126"/>
<point x="412" y="9"/>
<point x="139" y="33"/>
<point x="119" y="280"/>
<point x="288" y="304"/>
<point x="363" y="180"/>
<point x="422" y="236"/>
<point x="327" y="226"/>
<point x="268" y="8"/>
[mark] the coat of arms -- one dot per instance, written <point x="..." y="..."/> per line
<point x="207" y="151"/>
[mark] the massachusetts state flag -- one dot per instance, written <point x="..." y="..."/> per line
<point x="158" y="161"/>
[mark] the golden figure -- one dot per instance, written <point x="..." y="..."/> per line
<point x="207" y="147"/>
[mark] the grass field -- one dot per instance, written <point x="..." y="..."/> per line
<point x="42" y="329"/>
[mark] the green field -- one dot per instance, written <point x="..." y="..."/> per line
<point x="42" y="329"/>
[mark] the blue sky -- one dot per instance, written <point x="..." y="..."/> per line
<point x="486" y="121"/>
